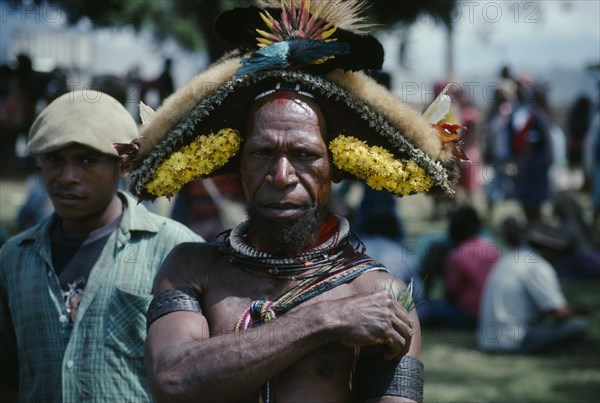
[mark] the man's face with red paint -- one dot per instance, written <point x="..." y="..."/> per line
<point x="285" y="164"/>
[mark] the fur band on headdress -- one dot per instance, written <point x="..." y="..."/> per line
<point x="321" y="47"/>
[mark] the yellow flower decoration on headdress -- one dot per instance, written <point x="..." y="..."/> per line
<point x="201" y="157"/>
<point x="378" y="167"/>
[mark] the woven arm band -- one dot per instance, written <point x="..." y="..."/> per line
<point x="172" y="300"/>
<point x="403" y="378"/>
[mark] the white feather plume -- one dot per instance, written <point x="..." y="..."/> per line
<point x="146" y="113"/>
<point x="439" y="108"/>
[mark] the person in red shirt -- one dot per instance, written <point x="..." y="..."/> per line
<point x="469" y="263"/>
<point x="466" y="270"/>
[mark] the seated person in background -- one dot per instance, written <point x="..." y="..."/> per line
<point x="523" y="309"/>
<point x="431" y="252"/>
<point x="467" y="267"/>
<point x="383" y="241"/>
<point x="378" y="202"/>
<point x="581" y="260"/>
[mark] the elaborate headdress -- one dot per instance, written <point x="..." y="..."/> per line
<point x="316" y="48"/>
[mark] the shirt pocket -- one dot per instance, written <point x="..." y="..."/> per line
<point x="126" y="322"/>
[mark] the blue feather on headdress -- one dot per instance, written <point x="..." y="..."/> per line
<point x="295" y="53"/>
<point x="315" y="36"/>
<point x="304" y="35"/>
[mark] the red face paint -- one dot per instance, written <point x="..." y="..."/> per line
<point x="283" y="96"/>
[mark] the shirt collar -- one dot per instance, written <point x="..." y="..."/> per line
<point x="136" y="218"/>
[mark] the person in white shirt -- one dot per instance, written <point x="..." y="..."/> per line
<point x="523" y="309"/>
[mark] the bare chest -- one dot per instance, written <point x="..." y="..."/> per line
<point x="323" y="372"/>
<point x="231" y="293"/>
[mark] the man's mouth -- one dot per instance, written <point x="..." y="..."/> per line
<point x="282" y="206"/>
<point x="68" y="196"/>
<point x="282" y="210"/>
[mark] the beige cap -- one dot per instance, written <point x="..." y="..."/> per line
<point x="91" y="118"/>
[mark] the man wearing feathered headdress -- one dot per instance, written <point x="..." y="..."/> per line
<point x="287" y="306"/>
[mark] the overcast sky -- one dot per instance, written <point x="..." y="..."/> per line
<point x="551" y="40"/>
<point x="527" y="35"/>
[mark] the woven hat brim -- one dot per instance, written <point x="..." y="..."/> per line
<point x="370" y="113"/>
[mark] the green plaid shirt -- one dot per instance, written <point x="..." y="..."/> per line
<point x="99" y="357"/>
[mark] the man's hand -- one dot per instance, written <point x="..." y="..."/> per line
<point x="374" y="319"/>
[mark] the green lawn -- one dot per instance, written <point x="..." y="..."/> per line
<point x="456" y="372"/>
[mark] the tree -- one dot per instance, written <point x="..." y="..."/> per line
<point x="190" y="21"/>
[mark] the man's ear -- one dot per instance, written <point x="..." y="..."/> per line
<point x="123" y="170"/>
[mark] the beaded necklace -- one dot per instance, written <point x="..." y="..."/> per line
<point x="328" y="257"/>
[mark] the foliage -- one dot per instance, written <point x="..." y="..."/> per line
<point x="190" y="21"/>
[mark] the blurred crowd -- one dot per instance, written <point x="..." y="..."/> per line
<point x="516" y="150"/>
<point x="25" y="92"/>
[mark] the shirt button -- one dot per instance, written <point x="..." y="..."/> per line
<point x="70" y="364"/>
<point x="49" y="273"/>
<point x="63" y="319"/>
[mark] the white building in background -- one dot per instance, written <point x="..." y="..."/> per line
<point x="66" y="49"/>
<point x="42" y="32"/>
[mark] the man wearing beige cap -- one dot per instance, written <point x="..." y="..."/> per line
<point x="74" y="289"/>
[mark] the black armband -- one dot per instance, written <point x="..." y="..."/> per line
<point x="377" y="377"/>
<point x="172" y="300"/>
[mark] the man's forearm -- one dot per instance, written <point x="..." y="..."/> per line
<point x="183" y="362"/>
<point x="233" y="365"/>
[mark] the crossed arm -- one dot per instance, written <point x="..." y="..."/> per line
<point x="184" y="360"/>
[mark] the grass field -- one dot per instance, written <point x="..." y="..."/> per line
<point x="455" y="370"/>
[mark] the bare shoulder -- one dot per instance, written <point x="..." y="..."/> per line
<point x="377" y="280"/>
<point x="192" y="250"/>
<point x="186" y="266"/>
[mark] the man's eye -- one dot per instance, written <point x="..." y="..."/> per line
<point x="305" y="154"/>
<point x="89" y="161"/>
<point x="49" y="159"/>
<point x="260" y="153"/>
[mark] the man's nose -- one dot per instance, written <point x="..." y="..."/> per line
<point x="69" y="173"/>
<point x="284" y="173"/>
